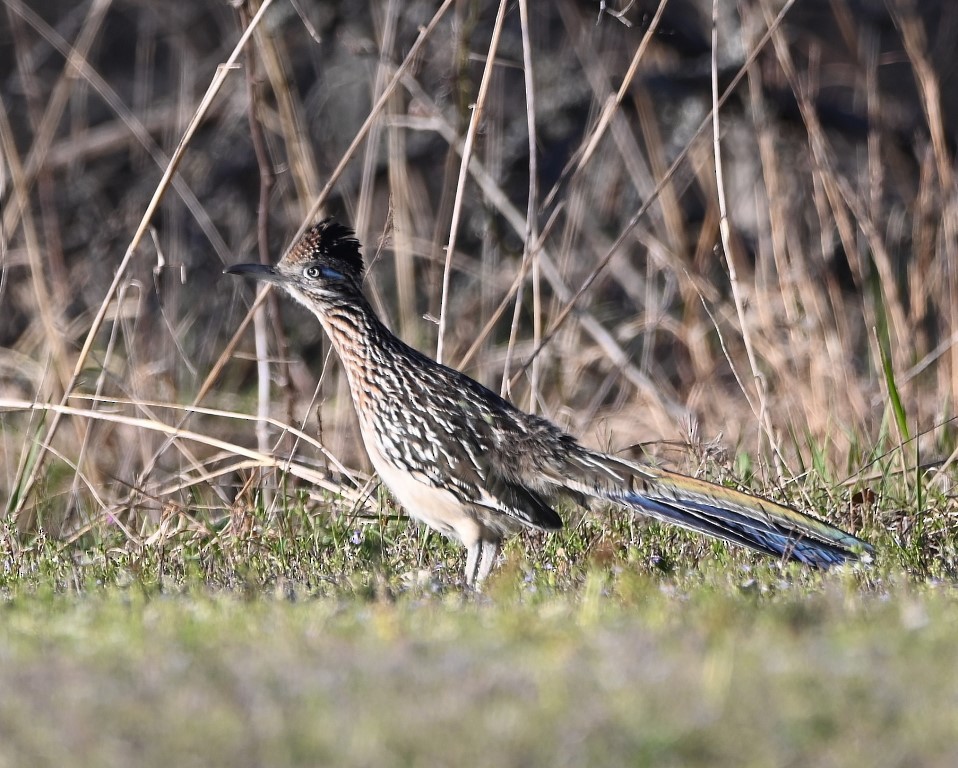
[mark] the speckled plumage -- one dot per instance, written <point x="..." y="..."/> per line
<point x="473" y="466"/>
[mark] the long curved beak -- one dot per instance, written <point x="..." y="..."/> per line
<point x="263" y="272"/>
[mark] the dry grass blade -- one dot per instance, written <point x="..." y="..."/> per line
<point x="221" y="74"/>
<point x="759" y="408"/>
<point x="585" y="152"/>
<point x="580" y="174"/>
<point x="550" y="270"/>
<point x="531" y="237"/>
<point x="477" y="115"/>
<point x="626" y="231"/>
<point x="293" y="468"/>
<point x="377" y="108"/>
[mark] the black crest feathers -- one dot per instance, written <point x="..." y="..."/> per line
<point x="331" y="243"/>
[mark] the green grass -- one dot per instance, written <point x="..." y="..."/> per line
<point x="625" y="671"/>
<point x="207" y="631"/>
<point x="311" y="642"/>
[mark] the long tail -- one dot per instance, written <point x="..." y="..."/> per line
<point x="711" y="509"/>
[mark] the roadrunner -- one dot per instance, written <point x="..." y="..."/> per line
<point x="474" y="467"/>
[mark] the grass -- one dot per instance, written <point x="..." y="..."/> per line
<point x="214" y="657"/>
<point x="769" y="286"/>
<point x="334" y="640"/>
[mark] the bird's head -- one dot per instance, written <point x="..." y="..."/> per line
<point x="323" y="268"/>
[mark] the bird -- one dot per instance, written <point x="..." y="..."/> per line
<point x="468" y="463"/>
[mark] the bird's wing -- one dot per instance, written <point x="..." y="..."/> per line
<point x="519" y="503"/>
<point x="457" y="447"/>
<point x="470" y="472"/>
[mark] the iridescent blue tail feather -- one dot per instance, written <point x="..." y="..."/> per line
<point x="724" y="513"/>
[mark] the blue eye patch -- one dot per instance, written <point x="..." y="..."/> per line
<point x="314" y="272"/>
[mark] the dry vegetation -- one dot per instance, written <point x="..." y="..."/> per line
<point x="788" y="323"/>
<point x="815" y="332"/>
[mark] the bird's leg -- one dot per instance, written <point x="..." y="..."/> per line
<point x="490" y="551"/>
<point x="472" y="562"/>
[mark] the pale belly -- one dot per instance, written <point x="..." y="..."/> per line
<point x="436" y="507"/>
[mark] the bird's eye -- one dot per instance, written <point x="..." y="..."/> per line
<point x="326" y="273"/>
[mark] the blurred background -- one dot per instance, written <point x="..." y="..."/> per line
<point x="820" y="336"/>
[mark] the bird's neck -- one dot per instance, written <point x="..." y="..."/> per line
<point x="357" y="334"/>
<point x="370" y="354"/>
